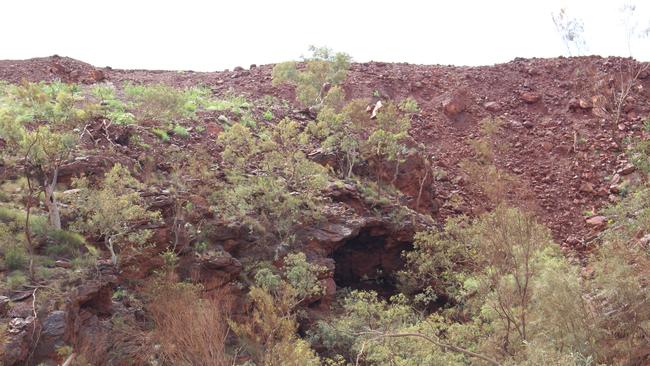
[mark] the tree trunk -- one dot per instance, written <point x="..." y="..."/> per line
<point x="28" y="230"/>
<point x="351" y="162"/>
<point x="396" y="173"/>
<point x="424" y="179"/>
<point x="111" y="249"/>
<point x="52" y="205"/>
<point x="378" y="174"/>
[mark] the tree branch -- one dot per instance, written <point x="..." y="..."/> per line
<point x="436" y="342"/>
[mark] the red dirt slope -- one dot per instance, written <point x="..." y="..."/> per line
<point x="559" y="134"/>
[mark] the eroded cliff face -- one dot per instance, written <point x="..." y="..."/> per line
<point x="559" y="137"/>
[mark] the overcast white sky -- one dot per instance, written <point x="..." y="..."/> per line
<point x="215" y="35"/>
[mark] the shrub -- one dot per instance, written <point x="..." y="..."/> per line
<point x="15" y="257"/>
<point x="269" y="332"/>
<point x="322" y="68"/>
<point x="639" y="154"/>
<point x="16" y="280"/>
<point x="237" y="104"/>
<point x="284" y="190"/>
<point x="111" y="106"/>
<point x="440" y="260"/>
<point x="409" y="105"/>
<point x="180" y="131"/>
<point x="164" y="103"/>
<point x="162" y="134"/>
<point x="113" y="210"/>
<point x="62" y="243"/>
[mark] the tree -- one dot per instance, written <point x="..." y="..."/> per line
<point x="271" y="185"/>
<point x="269" y="333"/>
<point x="115" y="211"/>
<point x="342" y="130"/>
<point x="37" y="122"/>
<point x="571" y="31"/>
<point x="387" y="141"/>
<point x="440" y="260"/>
<point x="323" y="70"/>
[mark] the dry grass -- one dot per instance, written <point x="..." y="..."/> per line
<point x="189" y="330"/>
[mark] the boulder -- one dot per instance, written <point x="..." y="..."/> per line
<point x="4" y="306"/>
<point x="587" y="187"/>
<point x="530" y="97"/>
<point x="51" y="336"/>
<point x="17" y="338"/>
<point x="492" y="106"/>
<point x="211" y="269"/>
<point x="376" y="109"/>
<point x="597" y="221"/>
<point x="455" y="105"/>
<point x="627" y="169"/>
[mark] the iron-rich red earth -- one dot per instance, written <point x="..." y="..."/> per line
<point x="560" y="136"/>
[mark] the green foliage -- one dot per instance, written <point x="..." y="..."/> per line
<point x="619" y="290"/>
<point x="15" y="257"/>
<point x="164" y="103"/>
<point x="237" y="104"/>
<point x="269" y="333"/>
<point x="342" y="132"/>
<point x="15" y="280"/>
<point x="359" y="333"/>
<point x="37" y="121"/>
<point x="162" y="134"/>
<point x="180" y="131"/>
<point x="639" y="154"/>
<point x="302" y="275"/>
<point x="387" y="139"/>
<point x="284" y="190"/>
<point x="439" y="261"/>
<point x="323" y="67"/>
<point x="56" y="107"/>
<point x="56" y="243"/>
<point x="515" y="299"/>
<point x="114" y="211"/>
<point x="349" y="133"/>
<point x="111" y="106"/>
<point x="62" y="243"/>
<point x="409" y="105"/>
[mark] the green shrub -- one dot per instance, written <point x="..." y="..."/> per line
<point x="62" y="243"/>
<point x="639" y="154"/>
<point x="180" y="131"/>
<point x="237" y="104"/>
<point x="111" y="106"/>
<point x="162" y="134"/>
<point x="409" y="105"/>
<point x="322" y="67"/>
<point x="15" y="257"/>
<point x="16" y="280"/>
<point x="164" y="103"/>
<point x="284" y="191"/>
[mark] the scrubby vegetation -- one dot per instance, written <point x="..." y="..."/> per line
<point x="488" y="288"/>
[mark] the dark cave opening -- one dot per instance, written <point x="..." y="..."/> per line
<point x="370" y="261"/>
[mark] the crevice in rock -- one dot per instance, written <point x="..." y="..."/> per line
<point x="370" y="261"/>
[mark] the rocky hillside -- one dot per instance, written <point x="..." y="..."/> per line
<point x="547" y="136"/>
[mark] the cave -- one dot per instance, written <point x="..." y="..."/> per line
<point x="370" y="261"/>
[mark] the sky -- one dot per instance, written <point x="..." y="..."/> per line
<point x="217" y="35"/>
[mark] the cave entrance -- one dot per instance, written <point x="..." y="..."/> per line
<point x="370" y="261"/>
